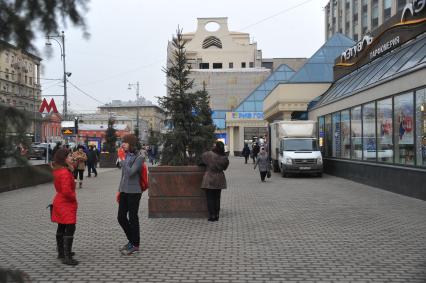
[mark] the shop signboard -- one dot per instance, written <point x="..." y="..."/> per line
<point x="68" y="128"/>
<point x="402" y="27"/>
<point x="244" y="116"/>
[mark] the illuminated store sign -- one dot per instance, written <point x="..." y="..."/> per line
<point x="247" y="115"/>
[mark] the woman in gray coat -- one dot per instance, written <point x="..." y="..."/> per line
<point x="263" y="162"/>
<point x="130" y="194"/>
<point x="214" y="179"/>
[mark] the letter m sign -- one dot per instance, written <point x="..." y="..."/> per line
<point x="47" y="108"/>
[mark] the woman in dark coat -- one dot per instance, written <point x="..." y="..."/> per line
<point x="246" y="152"/>
<point x="65" y="205"/>
<point x="214" y="179"/>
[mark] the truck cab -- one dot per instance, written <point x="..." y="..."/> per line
<point x="300" y="155"/>
<point x="294" y="147"/>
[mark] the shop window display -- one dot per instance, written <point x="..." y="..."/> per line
<point x="345" y="134"/>
<point x="369" y="131"/>
<point x="356" y="133"/>
<point x="421" y="126"/>
<point x="336" y="134"/>
<point x="328" y="136"/>
<point x="404" y="129"/>
<point x="384" y="131"/>
<point x="321" y="134"/>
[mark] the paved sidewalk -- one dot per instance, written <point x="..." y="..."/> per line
<point x="285" y="230"/>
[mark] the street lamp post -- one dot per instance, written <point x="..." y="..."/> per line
<point x="65" y="75"/>
<point x="137" y="104"/>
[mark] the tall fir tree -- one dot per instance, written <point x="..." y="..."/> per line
<point x="203" y="134"/>
<point x="192" y="130"/>
<point x="110" y="136"/>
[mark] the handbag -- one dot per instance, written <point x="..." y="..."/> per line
<point x="50" y="207"/>
<point x="268" y="173"/>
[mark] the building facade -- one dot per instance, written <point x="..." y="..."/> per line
<point x="51" y="128"/>
<point x="130" y="121"/>
<point x="148" y="112"/>
<point x="355" y="18"/>
<point x="227" y="63"/>
<point x="372" y="120"/>
<point x="20" y="84"/>
<point x="90" y="132"/>
<point x="289" y="99"/>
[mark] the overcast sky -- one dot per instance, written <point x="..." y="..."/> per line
<point x="129" y="38"/>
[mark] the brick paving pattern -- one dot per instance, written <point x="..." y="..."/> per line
<point x="299" y="229"/>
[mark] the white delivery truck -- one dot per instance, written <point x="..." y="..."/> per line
<point x="294" y="148"/>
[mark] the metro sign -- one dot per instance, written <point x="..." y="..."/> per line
<point x="48" y="107"/>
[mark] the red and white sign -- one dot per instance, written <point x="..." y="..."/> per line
<point x="48" y="107"/>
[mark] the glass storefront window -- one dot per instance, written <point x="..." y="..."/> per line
<point x="404" y="132"/>
<point x="328" y="135"/>
<point x="369" y="131"/>
<point x="336" y="134"/>
<point x="421" y="126"/>
<point x="254" y="134"/>
<point x="384" y="131"/>
<point x="345" y="134"/>
<point x="356" y="133"/>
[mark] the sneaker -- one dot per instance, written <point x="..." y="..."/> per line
<point x="131" y="249"/>
<point x="125" y="247"/>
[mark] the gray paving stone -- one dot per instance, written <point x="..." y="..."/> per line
<point x="301" y="229"/>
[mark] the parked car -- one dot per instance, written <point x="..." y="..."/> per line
<point x="35" y="151"/>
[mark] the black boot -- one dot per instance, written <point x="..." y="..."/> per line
<point x="60" y="245"/>
<point x="68" y="260"/>
<point x="211" y="217"/>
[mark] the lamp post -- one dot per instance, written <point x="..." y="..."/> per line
<point x="137" y="104"/>
<point x="60" y="39"/>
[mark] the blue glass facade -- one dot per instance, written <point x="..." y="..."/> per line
<point x="254" y="102"/>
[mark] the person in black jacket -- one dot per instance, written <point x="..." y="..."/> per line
<point x="246" y="152"/>
<point x="255" y="151"/>
<point x="92" y="159"/>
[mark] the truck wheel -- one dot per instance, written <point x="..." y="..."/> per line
<point x="283" y="173"/>
<point x="319" y="175"/>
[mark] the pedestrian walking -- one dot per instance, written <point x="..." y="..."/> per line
<point x="214" y="180"/>
<point x="130" y="194"/>
<point x="80" y="159"/>
<point x="255" y="151"/>
<point x="246" y="152"/>
<point x="263" y="163"/>
<point x="92" y="159"/>
<point x="64" y="211"/>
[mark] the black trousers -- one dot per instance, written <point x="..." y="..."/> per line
<point x="213" y="202"/>
<point x="129" y="205"/>
<point x="91" y="168"/>
<point x="263" y="175"/>
<point x="246" y="158"/>
<point x="66" y="229"/>
<point x="78" y="173"/>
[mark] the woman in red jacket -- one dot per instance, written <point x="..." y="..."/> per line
<point x="64" y="210"/>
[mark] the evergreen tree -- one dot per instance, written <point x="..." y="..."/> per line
<point x="110" y="136"/>
<point x="21" y="19"/>
<point x="203" y="136"/>
<point x="138" y="141"/>
<point x="189" y="113"/>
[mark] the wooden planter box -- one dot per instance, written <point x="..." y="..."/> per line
<point x="107" y="160"/>
<point x="175" y="192"/>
